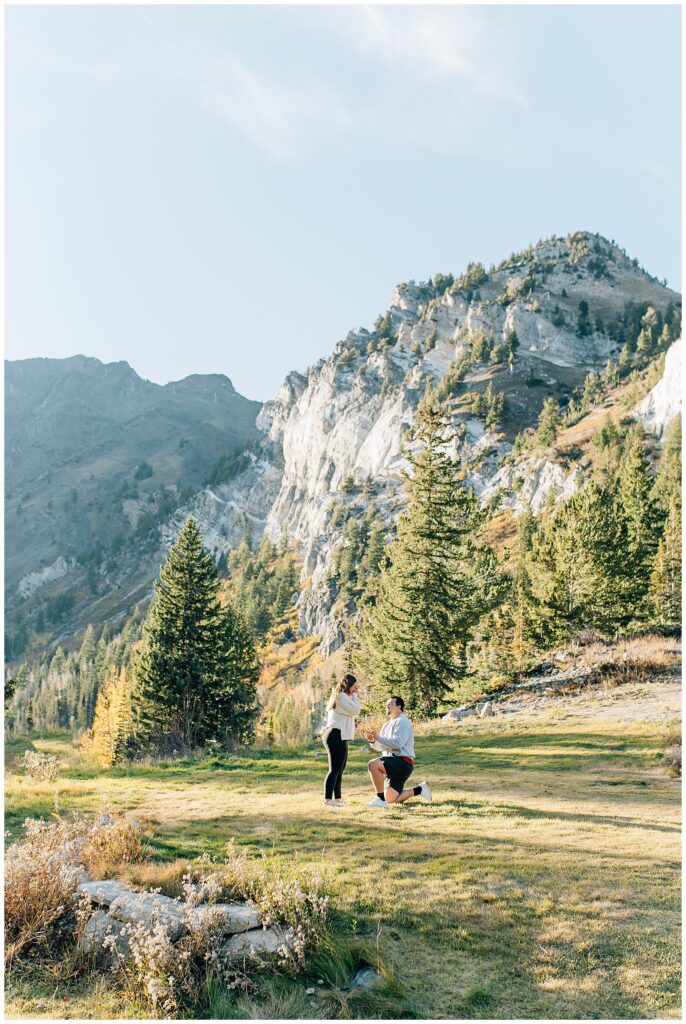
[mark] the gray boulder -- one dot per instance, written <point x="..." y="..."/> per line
<point x="226" y="918"/>
<point x="255" y="942"/>
<point x="98" y="927"/>
<point x="103" y="893"/>
<point x="366" y="977"/>
<point x="457" y="714"/>
<point x="150" y="909"/>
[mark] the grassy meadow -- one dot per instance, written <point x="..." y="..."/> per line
<point x="542" y="882"/>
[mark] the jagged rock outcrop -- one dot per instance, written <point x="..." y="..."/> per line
<point x="347" y="421"/>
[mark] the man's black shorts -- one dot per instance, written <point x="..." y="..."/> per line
<point x="398" y="771"/>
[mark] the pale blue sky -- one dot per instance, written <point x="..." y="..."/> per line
<point x="229" y="190"/>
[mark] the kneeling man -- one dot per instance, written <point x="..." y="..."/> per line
<point x="396" y="743"/>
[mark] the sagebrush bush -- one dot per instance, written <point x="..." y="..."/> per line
<point x="671" y="759"/>
<point x="42" y="767"/>
<point x="299" y="905"/>
<point x="41" y="872"/>
<point x="39" y="885"/>
<point x="119" y="842"/>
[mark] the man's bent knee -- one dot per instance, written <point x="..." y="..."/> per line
<point x="375" y="764"/>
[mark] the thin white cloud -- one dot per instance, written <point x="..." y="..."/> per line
<point x="457" y="44"/>
<point x="281" y="117"/>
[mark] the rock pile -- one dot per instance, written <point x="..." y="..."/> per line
<point x="116" y="907"/>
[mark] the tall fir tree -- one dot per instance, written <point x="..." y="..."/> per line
<point x="667" y="486"/>
<point x="87" y="651"/>
<point x="580" y="576"/>
<point x="665" y="581"/>
<point x="413" y="638"/>
<point x="523" y="642"/>
<point x="548" y="422"/>
<point x="192" y="667"/>
<point x="642" y="517"/>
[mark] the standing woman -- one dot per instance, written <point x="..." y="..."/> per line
<point x="342" y="710"/>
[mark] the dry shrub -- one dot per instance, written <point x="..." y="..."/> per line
<point x="41" y="872"/>
<point x="168" y="878"/>
<point x="299" y="904"/>
<point x="107" y="847"/>
<point x="42" y="767"/>
<point x="170" y="977"/>
<point x="635" y="660"/>
<point x="39" y="885"/>
<point x="671" y="759"/>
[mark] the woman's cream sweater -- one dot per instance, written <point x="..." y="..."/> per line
<point x="342" y="716"/>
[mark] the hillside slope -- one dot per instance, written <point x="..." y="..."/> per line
<point x="95" y="459"/>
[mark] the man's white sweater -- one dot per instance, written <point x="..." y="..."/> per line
<point x="396" y="737"/>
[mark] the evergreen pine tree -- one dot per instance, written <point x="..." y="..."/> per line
<point x="665" y="338"/>
<point x="87" y="652"/>
<point x="231" y="713"/>
<point x="414" y="636"/>
<point x="373" y="560"/>
<point x="667" y="486"/>
<point x="548" y="422"/>
<point x="665" y="582"/>
<point x="185" y="673"/>
<point x="580" y="576"/>
<point x="522" y="595"/>
<point x="640" y="511"/>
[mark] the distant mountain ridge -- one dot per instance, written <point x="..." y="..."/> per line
<point x="331" y="442"/>
<point x="93" y="452"/>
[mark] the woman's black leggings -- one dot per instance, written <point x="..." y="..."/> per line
<point x="338" y="756"/>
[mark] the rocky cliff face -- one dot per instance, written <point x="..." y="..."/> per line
<point x="663" y="403"/>
<point x="86" y="524"/>
<point x="346" y="421"/>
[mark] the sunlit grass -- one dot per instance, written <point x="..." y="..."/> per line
<point x="544" y="880"/>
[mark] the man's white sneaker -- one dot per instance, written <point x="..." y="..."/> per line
<point x="425" y="792"/>
<point x="376" y="802"/>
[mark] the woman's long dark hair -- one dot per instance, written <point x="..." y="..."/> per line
<point x="345" y="685"/>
